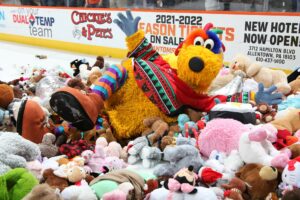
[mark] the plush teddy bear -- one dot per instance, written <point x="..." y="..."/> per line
<point x="48" y="149"/>
<point x="262" y="74"/>
<point x="180" y="156"/>
<point x="156" y="127"/>
<point x="15" y="151"/>
<point x="43" y="192"/>
<point x="295" y="150"/>
<point x="255" y="146"/>
<point x="158" y="90"/>
<point x="93" y="76"/>
<point x="265" y="113"/>
<point x="77" y="84"/>
<point x="54" y="181"/>
<point x="289" y="121"/>
<point x="260" y="180"/>
<point x="7" y="95"/>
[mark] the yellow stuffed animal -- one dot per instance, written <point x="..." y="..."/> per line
<point x="145" y="85"/>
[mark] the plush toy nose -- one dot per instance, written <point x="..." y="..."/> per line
<point x="196" y="64"/>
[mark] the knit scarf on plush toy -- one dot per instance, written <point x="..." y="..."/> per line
<point x="169" y="93"/>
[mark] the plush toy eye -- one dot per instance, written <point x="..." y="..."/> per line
<point x="209" y="44"/>
<point x="198" y="41"/>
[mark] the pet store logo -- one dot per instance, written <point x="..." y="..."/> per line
<point x="41" y="26"/>
<point x="94" y="25"/>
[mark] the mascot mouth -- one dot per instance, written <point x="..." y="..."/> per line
<point x="196" y="64"/>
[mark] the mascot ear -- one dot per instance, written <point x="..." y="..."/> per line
<point x="178" y="48"/>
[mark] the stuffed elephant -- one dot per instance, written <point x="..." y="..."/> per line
<point x="180" y="156"/>
<point x="15" y="151"/>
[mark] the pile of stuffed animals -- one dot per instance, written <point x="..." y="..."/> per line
<point x="151" y="128"/>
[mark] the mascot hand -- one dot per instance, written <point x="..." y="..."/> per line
<point x="267" y="96"/>
<point x="127" y="24"/>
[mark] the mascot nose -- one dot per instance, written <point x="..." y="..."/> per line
<point x="196" y="64"/>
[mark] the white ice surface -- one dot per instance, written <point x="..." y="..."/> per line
<point x="14" y="56"/>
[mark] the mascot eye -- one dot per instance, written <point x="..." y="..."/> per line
<point x="209" y="44"/>
<point x="198" y="41"/>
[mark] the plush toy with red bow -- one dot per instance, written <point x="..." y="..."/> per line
<point x="291" y="175"/>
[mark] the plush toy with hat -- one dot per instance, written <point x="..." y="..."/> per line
<point x="209" y="176"/>
<point x="221" y="135"/>
<point x="16" y="184"/>
<point x="255" y="146"/>
<point x="15" y="151"/>
<point x="158" y="89"/>
<point x="224" y="164"/>
<point x="291" y="175"/>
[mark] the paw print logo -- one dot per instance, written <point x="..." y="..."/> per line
<point x="77" y="33"/>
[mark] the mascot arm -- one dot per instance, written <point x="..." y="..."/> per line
<point x="140" y="48"/>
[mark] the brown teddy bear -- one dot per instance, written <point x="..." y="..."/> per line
<point x="295" y="150"/>
<point x="43" y="192"/>
<point x="77" y="84"/>
<point x="295" y="85"/>
<point x="156" y="127"/>
<point x="260" y="180"/>
<point x="290" y="121"/>
<point x="261" y="74"/>
<point x="54" y="181"/>
<point x="93" y="76"/>
<point x="7" y="95"/>
<point x="265" y="113"/>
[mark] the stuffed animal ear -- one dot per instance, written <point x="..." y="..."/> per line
<point x="178" y="48"/>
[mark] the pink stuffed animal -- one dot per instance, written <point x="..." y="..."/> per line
<point x="255" y="146"/>
<point x="94" y="160"/>
<point x="120" y="193"/>
<point x="222" y="135"/>
<point x="112" y="163"/>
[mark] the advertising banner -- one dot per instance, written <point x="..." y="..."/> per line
<point x="273" y="39"/>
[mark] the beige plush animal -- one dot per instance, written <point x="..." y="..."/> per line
<point x="261" y="74"/>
